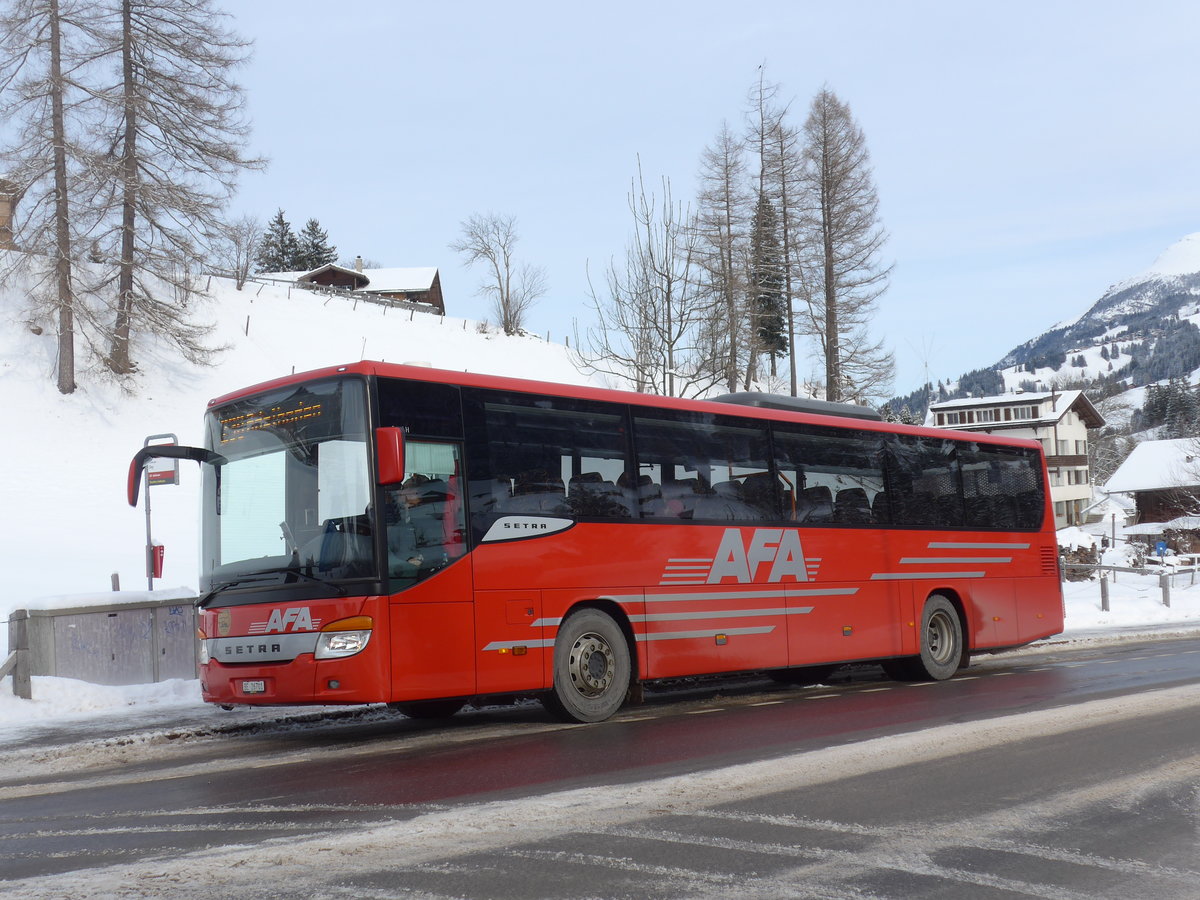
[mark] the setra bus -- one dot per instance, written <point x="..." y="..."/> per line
<point x="398" y="534"/>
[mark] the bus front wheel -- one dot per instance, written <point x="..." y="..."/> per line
<point x="592" y="669"/>
<point x="942" y="646"/>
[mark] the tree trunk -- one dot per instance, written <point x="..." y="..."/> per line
<point x="119" y="358"/>
<point x="62" y="230"/>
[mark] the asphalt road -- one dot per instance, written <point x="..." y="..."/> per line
<point x="1071" y="772"/>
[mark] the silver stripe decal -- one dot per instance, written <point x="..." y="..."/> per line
<point x="543" y="623"/>
<point x="706" y="633"/>
<point x="953" y="545"/>
<point x="896" y="576"/>
<point x="508" y="645"/>
<point x="777" y="593"/>
<point x="951" y="560"/>
<point x="720" y="614"/>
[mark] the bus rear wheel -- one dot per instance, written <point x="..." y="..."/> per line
<point x="592" y="671"/>
<point x="942" y="646"/>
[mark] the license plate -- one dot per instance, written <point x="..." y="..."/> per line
<point x="254" y="687"/>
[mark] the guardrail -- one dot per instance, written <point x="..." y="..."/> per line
<point x="137" y="642"/>
<point x="1165" y="578"/>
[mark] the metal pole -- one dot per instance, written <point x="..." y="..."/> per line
<point x="149" y="536"/>
<point x="1165" y="581"/>
<point x="1104" y="591"/>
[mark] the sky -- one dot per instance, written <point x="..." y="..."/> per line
<point x="1027" y="155"/>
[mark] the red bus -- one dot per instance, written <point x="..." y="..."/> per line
<point x="424" y="538"/>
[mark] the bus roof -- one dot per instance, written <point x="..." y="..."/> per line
<point x="751" y="404"/>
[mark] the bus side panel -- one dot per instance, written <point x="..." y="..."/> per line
<point x="510" y="641"/>
<point x="990" y="604"/>
<point x="1040" y="612"/>
<point x="433" y="638"/>
<point x="861" y="625"/>
<point x="672" y="650"/>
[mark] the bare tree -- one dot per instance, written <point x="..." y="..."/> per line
<point x="843" y="243"/>
<point x="177" y="139"/>
<point x="44" y="48"/>
<point x="722" y="224"/>
<point x="235" y="247"/>
<point x="647" y="326"/>
<point x="491" y="239"/>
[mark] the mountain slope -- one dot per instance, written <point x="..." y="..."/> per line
<point x="1142" y="330"/>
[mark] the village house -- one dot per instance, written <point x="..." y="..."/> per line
<point x="394" y="287"/>
<point x="1163" y="477"/>
<point x="1059" y="420"/>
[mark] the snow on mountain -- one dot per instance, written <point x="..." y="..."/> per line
<point x="1181" y="258"/>
<point x="65" y="458"/>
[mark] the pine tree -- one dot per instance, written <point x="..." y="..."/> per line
<point x="176" y="137"/>
<point x="845" y="275"/>
<point x="314" y="249"/>
<point x="766" y="282"/>
<point x="279" y="249"/>
<point x="723" y="224"/>
<point x="45" y="107"/>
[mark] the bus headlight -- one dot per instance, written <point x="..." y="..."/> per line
<point x="345" y="637"/>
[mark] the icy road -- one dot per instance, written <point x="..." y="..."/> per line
<point x="1062" y="773"/>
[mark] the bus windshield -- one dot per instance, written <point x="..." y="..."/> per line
<point x="292" y="500"/>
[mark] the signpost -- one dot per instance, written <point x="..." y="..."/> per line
<point x="158" y="471"/>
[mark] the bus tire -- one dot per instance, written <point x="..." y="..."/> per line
<point x="428" y="709"/>
<point x="592" y="671"/>
<point x="943" y="650"/>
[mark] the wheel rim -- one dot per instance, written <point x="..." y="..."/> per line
<point x="591" y="665"/>
<point x="939" y="637"/>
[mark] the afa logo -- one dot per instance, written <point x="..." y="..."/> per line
<point x="777" y="547"/>
<point x="294" y="618"/>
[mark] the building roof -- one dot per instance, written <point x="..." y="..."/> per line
<point x="1158" y="466"/>
<point x="372" y="281"/>
<point x="1061" y="403"/>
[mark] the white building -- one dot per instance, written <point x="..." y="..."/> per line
<point x="1059" y="420"/>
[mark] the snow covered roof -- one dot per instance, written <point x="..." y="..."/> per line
<point x="371" y="280"/>
<point x="1061" y="403"/>
<point x="1158" y="465"/>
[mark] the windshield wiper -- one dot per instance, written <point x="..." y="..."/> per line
<point x="227" y="585"/>
<point x="293" y="570"/>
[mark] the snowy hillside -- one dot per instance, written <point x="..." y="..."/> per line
<point x="1143" y="330"/>
<point x="65" y="458"/>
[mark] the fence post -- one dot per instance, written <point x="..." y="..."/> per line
<point x="18" y="647"/>
<point x="1165" y="581"/>
<point x="1104" y="591"/>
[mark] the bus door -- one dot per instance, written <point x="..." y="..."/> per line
<point x="432" y="621"/>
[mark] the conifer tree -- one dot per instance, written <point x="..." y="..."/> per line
<point x="845" y="275"/>
<point x="279" y="249"/>
<point x="766" y="282"/>
<point x="313" y="247"/>
<point x="176" y="137"/>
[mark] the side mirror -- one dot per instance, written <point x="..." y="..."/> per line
<point x="164" y="451"/>
<point x="389" y="447"/>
